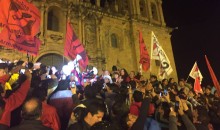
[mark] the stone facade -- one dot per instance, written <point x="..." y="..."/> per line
<point x="108" y="30"/>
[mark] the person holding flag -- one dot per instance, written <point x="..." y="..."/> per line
<point x="196" y="74"/>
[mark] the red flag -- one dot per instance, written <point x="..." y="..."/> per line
<point x="197" y="86"/>
<point x="19" y="25"/>
<point x="73" y="47"/>
<point x="214" y="79"/>
<point x="144" y="55"/>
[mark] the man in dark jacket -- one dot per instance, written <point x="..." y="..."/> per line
<point x="95" y="113"/>
<point x="31" y="114"/>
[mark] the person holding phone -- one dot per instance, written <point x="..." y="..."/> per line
<point x="179" y="108"/>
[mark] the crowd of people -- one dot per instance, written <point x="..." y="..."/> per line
<point x="37" y="97"/>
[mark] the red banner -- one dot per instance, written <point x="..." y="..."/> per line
<point x="214" y="79"/>
<point x="73" y="47"/>
<point x="197" y="86"/>
<point x="144" y="55"/>
<point x="19" y="25"/>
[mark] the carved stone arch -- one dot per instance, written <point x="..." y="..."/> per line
<point x="47" y="52"/>
<point x="58" y="56"/>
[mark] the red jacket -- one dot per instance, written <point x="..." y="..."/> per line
<point x="50" y="117"/>
<point x="14" y="101"/>
<point x="134" y="108"/>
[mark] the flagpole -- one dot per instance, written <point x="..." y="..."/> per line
<point x="67" y="16"/>
<point x="151" y="52"/>
<point x="187" y="78"/>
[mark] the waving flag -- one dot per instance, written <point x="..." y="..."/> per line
<point x="214" y="79"/>
<point x="144" y="55"/>
<point x="195" y="72"/>
<point x="73" y="47"/>
<point x="158" y="53"/>
<point x="19" y="25"/>
<point x="197" y="85"/>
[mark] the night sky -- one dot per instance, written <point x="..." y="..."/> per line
<point x="197" y="33"/>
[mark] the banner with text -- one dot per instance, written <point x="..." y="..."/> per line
<point x="158" y="53"/>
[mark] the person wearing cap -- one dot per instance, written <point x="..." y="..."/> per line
<point x="15" y="99"/>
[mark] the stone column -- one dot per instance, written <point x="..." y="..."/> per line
<point x="135" y="8"/>
<point x="43" y="26"/>
<point x="160" y="13"/>
<point x="148" y="4"/>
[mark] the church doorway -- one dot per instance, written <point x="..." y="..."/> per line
<point x="53" y="59"/>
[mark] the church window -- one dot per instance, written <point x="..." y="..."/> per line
<point x="154" y="11"/>
<point x="143" y="11"/>
<point x="52" y="19"/>
<point x="114" y="41"/>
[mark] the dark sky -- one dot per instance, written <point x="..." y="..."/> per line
<point x="198" y="33"/>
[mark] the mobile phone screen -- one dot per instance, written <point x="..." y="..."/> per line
<point x="176" y="106"/>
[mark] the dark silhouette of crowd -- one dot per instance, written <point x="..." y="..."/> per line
<point x="39" y="97"/>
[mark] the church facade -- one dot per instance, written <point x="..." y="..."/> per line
<point x="108" y="29"/>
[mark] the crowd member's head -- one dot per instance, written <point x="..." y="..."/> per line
<point x="132" y="74"/>
<point x="164" y="109"/>
<point x="171" y="81"/>
<point x="164" y="82"/>
<point x="107" y="79"/>
<point x="102" y="125"/>
<point x="3" y="69"/>
<point x="95" y="113"/>
<point x="90" y="92"/>
<point x="138" y="96"/>
<point x="116" y="75"/>
<point x="32" y="109"/>
<point x="153" y="78"/>
<point x="114" y="68"/>
<point x="208" y="90"/>
<point x="181" y="83"/>
<point x="123" y="72"/>
<point x="216" y="94"/>
<point x="191" y="93"/>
